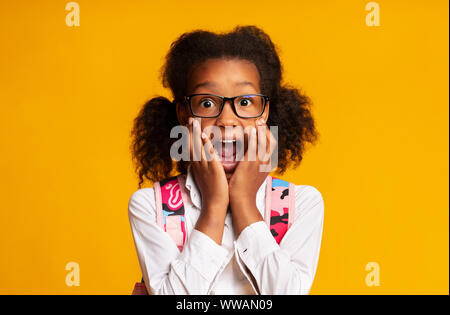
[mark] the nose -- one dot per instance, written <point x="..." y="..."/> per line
<point x="227" y="117"/>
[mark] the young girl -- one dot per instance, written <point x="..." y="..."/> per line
<point x="227" y="81"/>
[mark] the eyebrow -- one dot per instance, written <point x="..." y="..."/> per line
<point x="212" y="84"/>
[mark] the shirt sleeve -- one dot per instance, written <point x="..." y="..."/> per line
<point x="288" y="268"/>
<point x="165" y="270"/>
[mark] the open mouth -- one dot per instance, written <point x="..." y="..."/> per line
<point x="229" y="151"/>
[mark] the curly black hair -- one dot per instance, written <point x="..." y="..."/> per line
<point x="289" y="107"/>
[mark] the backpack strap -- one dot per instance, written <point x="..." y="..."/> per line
<point x="169" y="196"/>
<point x="280" y="206"/>
<point x="170" y="209"/>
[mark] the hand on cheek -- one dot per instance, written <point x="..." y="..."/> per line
<point x="249" y="176"/>
<point x="207" y="169"/>
<point x="252" y="170"/>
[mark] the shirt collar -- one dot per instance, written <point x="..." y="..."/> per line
<point x="194" y="193"/>
<point x="196" y="199"/>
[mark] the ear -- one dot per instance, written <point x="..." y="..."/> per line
<point x="182" y="113"/>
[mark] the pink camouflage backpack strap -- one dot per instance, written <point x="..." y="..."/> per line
<point x="170" y="197"/>
<point x="170" y="209"/>
<point x="280" y="206"/>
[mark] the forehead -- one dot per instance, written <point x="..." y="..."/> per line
<point x="215" y="75"/>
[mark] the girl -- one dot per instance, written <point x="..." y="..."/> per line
<point x="227" y="81"/>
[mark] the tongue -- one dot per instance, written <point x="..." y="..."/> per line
<point x="228" y="151"/>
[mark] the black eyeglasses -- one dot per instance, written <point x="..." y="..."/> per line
<point x="211" y="105"/>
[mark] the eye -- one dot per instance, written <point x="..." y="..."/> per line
<point x="245" y="102"/>
<point x="207" y="103"/>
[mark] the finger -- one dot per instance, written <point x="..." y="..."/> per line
<point x="197" y="141"/>
<point x="266" y="144"/>
<point x="272" y="142"/>
<point x="204" y="159"/>
<point x="208" y="151"/>
<point x="262" y="140"/>
<point x="190" y="139"/>
<point x="252" y="145"/>
<point x="263" y="156"/>
<point x="262" y="143"/>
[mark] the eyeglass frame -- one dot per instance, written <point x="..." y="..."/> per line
<point x="224" y="100"/>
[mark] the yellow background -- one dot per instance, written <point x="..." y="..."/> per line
<point x="68" y="97"/>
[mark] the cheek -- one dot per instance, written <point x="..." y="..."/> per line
<point x="206" y="123"/>
<point x="251" y="122"/>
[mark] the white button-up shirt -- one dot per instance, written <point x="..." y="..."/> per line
<point x="252" y="263"/>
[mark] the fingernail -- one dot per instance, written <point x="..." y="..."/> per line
<point x="190" y="120"/>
